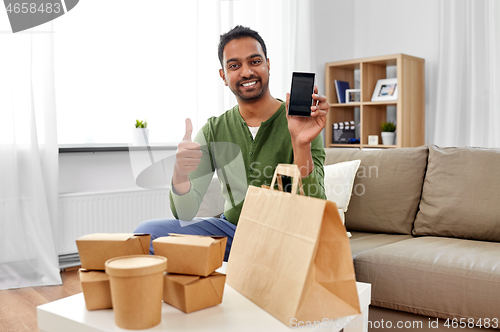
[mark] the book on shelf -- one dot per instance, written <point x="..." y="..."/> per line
<point x="341" y="86"/>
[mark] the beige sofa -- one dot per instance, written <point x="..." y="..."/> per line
<point x="425" y="226"/>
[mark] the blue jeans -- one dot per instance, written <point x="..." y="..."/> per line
<point x="198" y="226"/>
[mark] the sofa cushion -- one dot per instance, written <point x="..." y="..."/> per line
<point x="461" y="194"/>
<point x="387" y="188"/>
<point x="362" y="241"/>
<point x="339" y="180"/>
<point x="417" y="323"/>
<point x="434" y="276"/>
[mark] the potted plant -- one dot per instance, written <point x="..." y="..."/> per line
<point x="140" y="135"/>
<point x="388" y="133"/>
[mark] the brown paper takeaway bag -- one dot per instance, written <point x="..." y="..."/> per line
<point x="291" y="255"/>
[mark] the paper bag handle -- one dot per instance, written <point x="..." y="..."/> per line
<point x="291" y="171"/>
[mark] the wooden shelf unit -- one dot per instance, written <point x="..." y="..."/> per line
<point x="410" y="105"/>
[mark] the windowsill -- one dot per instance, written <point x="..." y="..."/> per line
<point x="76" y="148"/>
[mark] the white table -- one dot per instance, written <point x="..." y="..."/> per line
<point x="235" y="313"/>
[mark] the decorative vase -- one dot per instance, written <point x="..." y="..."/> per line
<point x="388" y="138"/>
<point x="140" y="137"/>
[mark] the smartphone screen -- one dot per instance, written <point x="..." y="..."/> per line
<point x="301" y="94"/>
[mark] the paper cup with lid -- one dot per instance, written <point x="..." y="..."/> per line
<point x="136" y="284"/>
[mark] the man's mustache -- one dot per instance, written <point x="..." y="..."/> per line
<point x="249" y="79"/>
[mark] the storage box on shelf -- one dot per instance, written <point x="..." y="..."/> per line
<point x="410" y="104"/>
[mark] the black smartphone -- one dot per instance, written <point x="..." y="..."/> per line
<point x="301" y="94"/>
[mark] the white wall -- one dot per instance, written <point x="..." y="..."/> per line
<point x="333" y="35"/>
<point x="346" y="30"/>
<point x="116" y="170"/>
<point x="95" y="171"/>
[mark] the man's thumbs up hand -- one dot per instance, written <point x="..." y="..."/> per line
<point x="189" y="131"/>
<point x="188" y="155"/>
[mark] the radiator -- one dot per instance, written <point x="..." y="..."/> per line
<point x="106" y="212"/>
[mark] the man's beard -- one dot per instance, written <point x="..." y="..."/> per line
<point x="255" y="95"/>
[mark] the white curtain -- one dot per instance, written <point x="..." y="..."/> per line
<point x="28" y="160"/>
<point x="468" y="87"/>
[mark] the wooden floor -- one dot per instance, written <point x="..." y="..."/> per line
<point x="18" y="306"/>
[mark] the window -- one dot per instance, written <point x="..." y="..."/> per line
<point x="120" y="60"/>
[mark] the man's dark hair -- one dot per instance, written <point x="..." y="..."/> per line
<point x="236" y="33"/>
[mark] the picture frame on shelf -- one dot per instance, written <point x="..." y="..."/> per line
<point x="352" y="96"/>
<point x="386" y="89"/>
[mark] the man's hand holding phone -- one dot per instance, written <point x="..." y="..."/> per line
<point x="304" y="129"/>
<point x="187" y="159"/>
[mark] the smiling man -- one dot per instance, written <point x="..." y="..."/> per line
<point x="244" y="145"/>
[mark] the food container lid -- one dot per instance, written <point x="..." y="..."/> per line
<point x="136" y="265"/>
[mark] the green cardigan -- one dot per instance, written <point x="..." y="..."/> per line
<point x="229" y="148"/>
